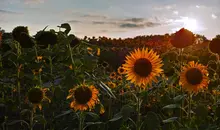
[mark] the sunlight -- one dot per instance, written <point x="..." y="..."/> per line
<point x="190" y="24"/>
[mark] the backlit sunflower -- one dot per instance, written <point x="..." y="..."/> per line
<point x="84" y="97"/>
<point x="194" y="77"/>
<point x="36" y="96"/>
<point x="143" y="66"/>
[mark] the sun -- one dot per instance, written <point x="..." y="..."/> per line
<point x="190" y="24"/>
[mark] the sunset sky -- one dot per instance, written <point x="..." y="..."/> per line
<point x="113" y="18"/>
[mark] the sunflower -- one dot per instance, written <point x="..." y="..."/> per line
<point x="85" y="97"/>
<point x="39" y="58"/>
<point x="89" y="50"/>
<point x="214" y="46"/>
<point x="183" y="38"/>
<point x="113" y="75"/>
<point x="98" y="51"/>
<point x="194" y="77"/>
<point x="143" y="66"/>
<point x="44" y="38"/>
<point x="111" y="84"/>
<point x="71" y="67"/>
<point x="105" y="64"/>
<point x="36" y="72"/>
<point x="16" y="32"/>
<point x="119" y="78"/>
<point x="102" y="110"/>
<point x="36" y="96"/>
<point x="121" y="70"/>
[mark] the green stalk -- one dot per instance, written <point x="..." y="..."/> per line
<point x="81" y="120"/>
<point x="18" y="76"/>
<point x="71" y="54"/>
<point x="40" y="81"/>
<point x="189" y="108"/>
<point x="138" y="123"/>
<point x="139" y="115"/>
<point x="182" y="102"/>
<point x="32" y="119"/>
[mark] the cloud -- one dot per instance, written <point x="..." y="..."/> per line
<point x="214" y="16"/>
<point x="93" y="16"/>
<point x="73" y="21"/>
<point x="97" y="22"/>
<point x="33" y="1"/>
<point x="131" y="25"/>
<point x="162" y="7"/>
<point x="7" y="12"/>
<point x="135" y="20"/>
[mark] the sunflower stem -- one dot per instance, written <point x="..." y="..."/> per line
<point x="182" y="103"/>
<point x="81" y="120"/>
<point x="18" y="75"/>
<point x="138" y="123"/>
<point x="189" y="107"/>
<point x="32" y="119"/>
<point x="51" y="65"/>
<point x="40" y="81"/>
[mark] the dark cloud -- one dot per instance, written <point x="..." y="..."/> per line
<point x="133" y="25"/>
<point x="135" y="20"/>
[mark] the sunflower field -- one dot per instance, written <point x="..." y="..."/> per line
<point x="57" y="81"/>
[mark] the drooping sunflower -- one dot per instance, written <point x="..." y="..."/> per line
<point x="84" y="97"/>
<point x="143" y="66"/>
<point x="36" y="95"/>
<point x="44" y="38"/>
<point x="194" y="77"/>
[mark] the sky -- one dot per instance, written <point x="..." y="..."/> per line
<point x="113" y="18"/>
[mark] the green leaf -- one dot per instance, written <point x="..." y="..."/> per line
<point x="25" y="111"/>
<point x="58" y="92"/>
<point x="116" y="117"/>
<point x="93" y="115"/>
<point x="201" y="111"/>
<point x="172" y="119"/>
<point x="152" y="121"/>
<point x="18" y="121"/>
<point x="178" y="98"/>
<point x="64" y="113"/>
<point x="94" y="123"/>
<point x="40" y="119"/>
<point x="126" y="111"/>
<point x="172" y="106"/>
<point x="217" y="111"/>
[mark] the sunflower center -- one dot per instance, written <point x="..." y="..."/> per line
<point x="82" y="95"/>
<point x="194" y="76"/>
<point x="143" y="67"/>
<point x="35" y="95"/>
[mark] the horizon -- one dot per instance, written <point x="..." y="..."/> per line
<point x="113" y="18"/>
